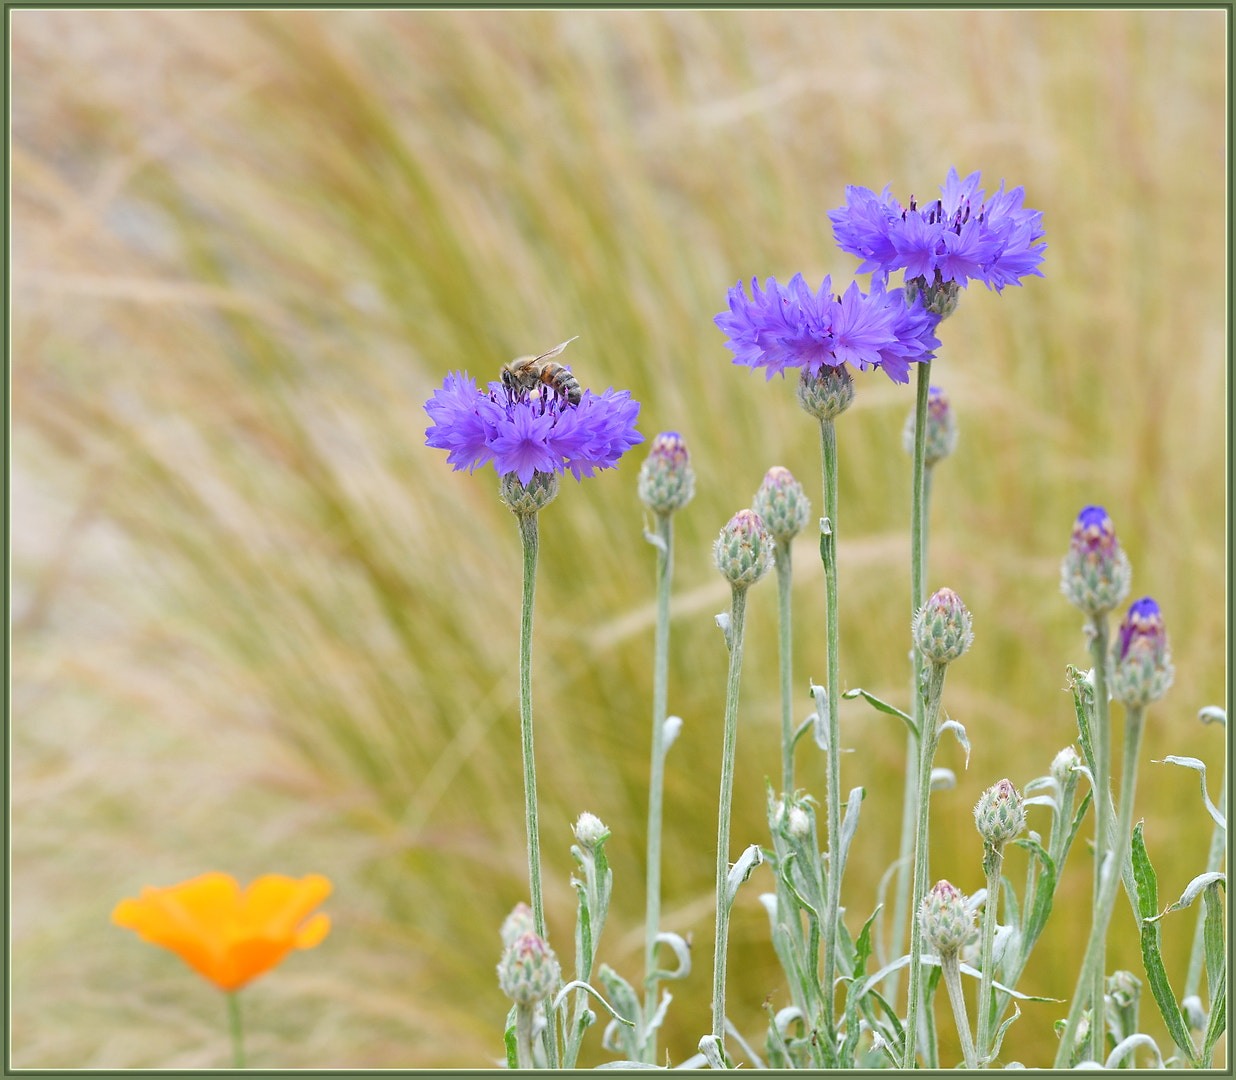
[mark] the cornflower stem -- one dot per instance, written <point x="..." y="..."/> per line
<point x="656" y="782"/>
<point x="993" y="862"/>
<point x="738" y="608"/>
<point x="1102" y="736"/>
<point x="531" y="545"/>
<point x="1095" y="951"/>
<point x="523" y="1036"/>
<point x="920" y="495"/>
<point x="828" y="553"/>
<point x="237" y="1031"/>
<point x="785" y="575"/>
<point x="950" y="966"/>
<point x="928" y="737"/>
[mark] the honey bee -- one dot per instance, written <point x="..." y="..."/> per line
<point x="525" y="373"/>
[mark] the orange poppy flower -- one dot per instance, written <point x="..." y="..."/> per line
<point x="227" y="936"/>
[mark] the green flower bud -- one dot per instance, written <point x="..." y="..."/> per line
<point x="528" y="971"/>
<point x="666" y="479"/>
<point x="590" y="831"/>
<point x="942" y="627"/>
<point x="999" y="814"/>
<point x="828" y="394"/>
<point x="537" y="494"/>
<point x="782" y="504"/>
<point x="744" y="551"/>
<point x="940" y="435"/>
<point x="519" y="921"/>
<point x="1096" y="573"/>
<point x="1062" y="767"/>
<point x="946" y="921"/>
<point x="940" y="298"/>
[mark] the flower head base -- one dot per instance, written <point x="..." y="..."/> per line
<point x="946" y="921"/>
<point x="228" y="936"/>
<point x="590" y="831"/>
<point x="942" y="627"/>
<point x="1095" y="574"/>
<point x="999" y="815"/>
<point x="950" y="241"/>
<point x="940" y="437"/>
<point x="531" y="497"/>
<point x="940" y="297"/>
<point x="524" y="432"/>
<point x="528" y="971"/>
<point x="790" y="327"/>
<point x="782" y="504"/>
<point x="1141" y="662"/>
<point x="666" y="479"/>
<point x="825" y="394"/>
<point x="519" y="921"/>
<point x="744" y="551"/>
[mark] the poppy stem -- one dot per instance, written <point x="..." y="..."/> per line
<point x="238" y="1037"/>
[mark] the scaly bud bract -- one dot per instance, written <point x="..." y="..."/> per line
<point x="590" y="831"/>
<point x="666" y="479"/>
<point x="528" y="971"/>
<point x="535" y="495"/>
<point x="782" y="504"/>
<point x="744" y="551"/>
<point x="1141" y="662"/>
<point x="940" y="436"/>
<point x="942" y="627"/>
<point x="946" y="921"/>
<point x="519" y="921"/>
<point x="999" y="814"/>
<point x="1095" y="574"/>
<point x="828" y="394"/>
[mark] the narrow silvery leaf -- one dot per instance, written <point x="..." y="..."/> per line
<point x="882" y="706"/>
<point x="741" y="870"/>
<point x="670" y="731"/>
<point x="1191" y="892"/>
<point x="784" y="1018"/>
<point x="1037" y="783"/>
<point x="999" y="1039"/>
<point x="1126" y="1047"/>
<point x="849" y="826"/>
<point x="682" y="952"/>
<point x="769" y="900"/>
<point x="1217" y="1023"/>
<point x="1212" y="938"/>
<point x="943" y="779"/>
<point x="658" y="1017"/>
<point x="710" y="1047"/>
<point x="1212" y="714"/>
<point x="1194" y="763"/>
<point x="577" y="984"/>
<point x="1040" y="800"/>
<point x="656" y="541"/>
<point x="959" y="730"/>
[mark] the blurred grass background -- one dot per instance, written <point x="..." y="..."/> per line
<point x="258" y="626"/>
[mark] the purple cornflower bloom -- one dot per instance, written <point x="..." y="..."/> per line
<point x="787" y="326"/>
<point x="524" y="432"/>
<point x="958" y="237"/>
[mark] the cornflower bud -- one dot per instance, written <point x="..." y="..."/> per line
<point x="519" y="921"/>
<point x="940" y="298"/>
<point x="744" y="550"/>
<point x="528" y="498"/>
<point x="1124" y="987"/>
<point x="1062" y="766"/>
<point x="828" y="394"/>
<point x="1141" y="663"/>
<point x="999" y="814"/>
<point x="940" y="435"/>
<point x="1095" y="574"/>
<point x="666" y="479"/>
<point x="528" y="971"/>
<point x="590" y="831"/>
<point x="946" y="921"/>
<point x="799" y="824"/>
<point x="782" y="504"/>
<point x="942" y="627"/>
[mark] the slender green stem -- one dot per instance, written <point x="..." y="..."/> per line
<point x="951" y="967"/>
<point x="828" y="551"/>
<point x="785" y="576"/>
<point x="1102" y="736"/>
<point x="1218" y="848"/>
<point x="1095" y="948"/>
<point x="920" y="492"/>
<point x="927" y="749"/>
<point x="531" y="545"/>
<point x="993" y="861"/>
<point x="238" y="1035"/>
<point x="523" y="1036"/>
<point x="738" y="608"/>
<point x="656" y="782"/>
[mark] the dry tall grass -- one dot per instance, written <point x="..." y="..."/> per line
<point x="259" y="626"/>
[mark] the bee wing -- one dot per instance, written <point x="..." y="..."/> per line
<point x="555" y="350"/>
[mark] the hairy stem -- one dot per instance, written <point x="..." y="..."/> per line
<point x="951" y="967"/>
<point x="828" y="552"/>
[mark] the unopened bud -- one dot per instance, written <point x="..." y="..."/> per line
<point x="528" y="498"/>
<point x="942" y="627"/>
<point x="528" y="971"/>
<point x="744" y="551"/>
<point x="940" y="434"/>
<point x="590" y="831"/>
<point x="1062" y="766"/>
<point x="1095" y="574"/>
<point x="946" y="921"/>
<point x="940" y="298"/>
<point x="799" y="824"/>
<point x="999" y="814"/>
<point x="666" y="479"/>
<point x="519" y="921"/>
<point x="782" y="504"/>
<point x="828" y="394"/>
<point x="1124" y="988"/>
<point x="1141" y="663"/>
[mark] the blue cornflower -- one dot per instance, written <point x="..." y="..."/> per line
<point x="959" y="237"/>
<point x="790" y="327"/>
<point x="524" y="432"/>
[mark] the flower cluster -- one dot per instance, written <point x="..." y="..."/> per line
<point x="524" y="432"/>
<point x="958" y="237"/>
<point x="788" y="326"/>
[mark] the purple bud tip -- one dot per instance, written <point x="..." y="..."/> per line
<point x="1143" y="622"/>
